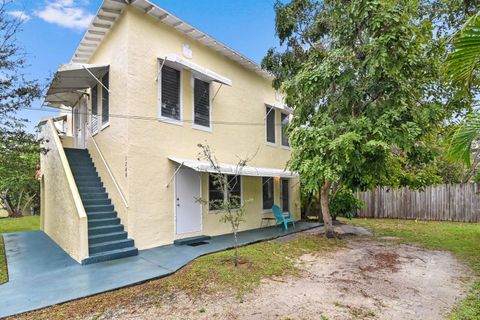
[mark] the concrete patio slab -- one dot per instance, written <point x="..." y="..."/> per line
<point x="41" y="274"/>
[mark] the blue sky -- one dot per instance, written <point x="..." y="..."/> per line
<point x="52" y="30"/>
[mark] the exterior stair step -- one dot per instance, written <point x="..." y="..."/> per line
<point x="92" y="223"/>
<point x="110" y="245"/>
<point x="102" y="215"/>
<point x="110" y="255"/>
<point x="107" y="237"/>
<point x="105" y="229"/>
<point x="96" y="202"/>
<point x="93" y="196"/>
<point x="98" y="208"/>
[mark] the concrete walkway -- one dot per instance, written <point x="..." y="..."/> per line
<point x="41" y="274"/>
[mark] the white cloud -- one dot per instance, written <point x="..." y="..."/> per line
<point x="21" y="15"/>
<point x="66" y="14"/>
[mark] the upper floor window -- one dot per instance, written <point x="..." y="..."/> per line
<point x="285" y="120"/>
<point x="270" y="124"/>
<point x="201" y="103"/>
<point x="216" y="195"/>
<point x="170" y="94"/>
<point x="105" y="100"/>
<point x="267" y="193"/>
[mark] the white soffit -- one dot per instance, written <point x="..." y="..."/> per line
<point x="200" y="72"/>
<point x="70" y="79"/>
<point x="109" y="12"/>
<point x="203" y="166"/>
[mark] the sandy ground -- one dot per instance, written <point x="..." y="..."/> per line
<point x="366" y="280"/>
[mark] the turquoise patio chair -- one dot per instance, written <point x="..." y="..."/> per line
<point x="282" y="218"/>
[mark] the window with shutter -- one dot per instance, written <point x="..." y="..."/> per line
<point x="201" y="97"/>
<point x="105" y="100"/>
<point x="170" y="103"/>
<point x="94" y="122"/>
<point x="270" y="124"/>
<point x="285" y="120"/>
<point x="267" y="193"/>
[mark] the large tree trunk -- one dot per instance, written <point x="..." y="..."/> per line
<point x="327" y="219"/>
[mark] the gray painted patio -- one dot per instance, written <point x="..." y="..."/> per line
<point x="41" y="274"/>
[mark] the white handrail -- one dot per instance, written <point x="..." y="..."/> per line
<point x="108" y="169"/>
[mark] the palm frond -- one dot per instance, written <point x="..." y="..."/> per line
<point x="465" y="59"/>
<point x="460" y="143"/>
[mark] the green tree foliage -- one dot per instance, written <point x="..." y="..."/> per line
<point x="364" y="80"/>
<point x="18" y="148"/>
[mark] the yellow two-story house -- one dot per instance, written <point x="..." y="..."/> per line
<point x="142" y="90"/>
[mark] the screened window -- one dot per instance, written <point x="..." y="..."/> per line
<point x="285" y="195"/>
<point x="94" y="123"/>
<point x="170" y="93"/>
<point x="105" y="100"/>
<point x="215" y="193"/>
<point x="285" y="120"/>
<point x="270" y="124"/>
<point x="267" y="193"/>
<point x="201" y="103"/>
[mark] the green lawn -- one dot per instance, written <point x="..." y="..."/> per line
<point x="19" y="224"/>
<point x="13" y="225"/>
<point x="462" y="239"/>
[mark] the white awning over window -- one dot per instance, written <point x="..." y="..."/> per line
<point x="174" y="61"/>
<point x="69" y="82"/>
<point x="204" y="166"/>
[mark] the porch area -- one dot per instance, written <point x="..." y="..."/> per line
<point x="42" y="274"/>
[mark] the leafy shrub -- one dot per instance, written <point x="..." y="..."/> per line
<point x="345" y="204"/>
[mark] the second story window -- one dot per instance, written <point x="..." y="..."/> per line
<point x="285" y="120"/>
<point x="105" y="100"/>
<point x="270" y="124"/>
<point x="170" y="94"/>
<point x="201" y="103"/>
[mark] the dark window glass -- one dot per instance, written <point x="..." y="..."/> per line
<point x="284" y="128"/>
<point x="170" y="93"/>
<point x="105" y="100"/>
<point x="214" y="192"/>
<point x="235" y="185"/>
<point x="270" y="123"/>
<point x="201" y="103"/>
<point x="285" y="195"/>
<point x="267" y="193"/>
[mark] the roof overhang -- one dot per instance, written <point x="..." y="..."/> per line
<point x="200" y="72"/>
<point x="70" y="81"/>
<point x="203" y="166"/>
<point x="110" y="11"/>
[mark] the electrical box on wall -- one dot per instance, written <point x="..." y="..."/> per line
<point x="187" y="51"/>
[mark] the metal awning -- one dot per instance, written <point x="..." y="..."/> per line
<point x="69" y="82"/>
<point x="204" y="166"/>
<point x="283" y="108"/>
<point x="200" y="72"/>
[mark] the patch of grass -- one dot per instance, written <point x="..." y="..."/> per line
<point x="19" y="224"/>
<point x="3" y="263"/>
<point x="209" y="274"/>
<point x="462" y="239"/>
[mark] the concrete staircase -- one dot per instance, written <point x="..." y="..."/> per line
<point x="107" y="239"/>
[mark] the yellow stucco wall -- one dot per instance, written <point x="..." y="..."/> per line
<point x="137" y="150"/>
<point x="63" y="217"/>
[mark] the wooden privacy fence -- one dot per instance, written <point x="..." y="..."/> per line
<point x="448" y="202"/>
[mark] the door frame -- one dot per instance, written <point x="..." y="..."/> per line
<point x="80" y="132"/>
<point x="176" y="185"/>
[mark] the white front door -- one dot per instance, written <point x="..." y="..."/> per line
<point x="80" y="124"/>
<point x="188" y="209"/>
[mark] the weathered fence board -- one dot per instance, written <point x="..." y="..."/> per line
<point x="449" y="202"/>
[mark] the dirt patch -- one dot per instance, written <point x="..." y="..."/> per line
<point x="365" y="280"/>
